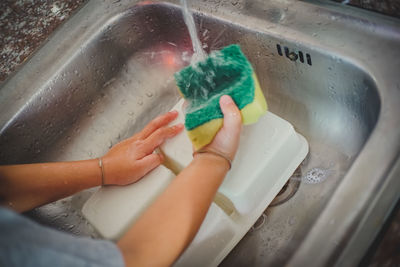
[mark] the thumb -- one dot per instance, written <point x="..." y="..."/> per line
<point x="227" y="139"/>
<point x="232" y="117"/>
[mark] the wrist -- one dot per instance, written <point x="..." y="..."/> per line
<point x="101" y="166"/>
<point x="94" y="172"/>
<point x="212" y="159"/>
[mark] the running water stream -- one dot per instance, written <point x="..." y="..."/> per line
<point x="198" y="52"/>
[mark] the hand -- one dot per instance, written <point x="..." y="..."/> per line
<point x="227" y="139"/>
<point x="131" y="159"/>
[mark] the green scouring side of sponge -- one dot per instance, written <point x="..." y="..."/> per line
<point x="224" y="72"/>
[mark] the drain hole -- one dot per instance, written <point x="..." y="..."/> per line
<point x="289" y="189"/>
<point x="287" y="52"/>
<point x="301" y="57"/>
<point x="309" y="59"/>
<point x="293" y="56"/>
<point x="278" y="47"/>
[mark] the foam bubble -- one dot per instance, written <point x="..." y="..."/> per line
<point x="315" y="176"/>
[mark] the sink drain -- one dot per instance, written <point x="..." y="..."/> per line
<point x="259" y="223"/>
<point x="289" y="189"/>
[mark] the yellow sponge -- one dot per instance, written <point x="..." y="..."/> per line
<point x="204" y="134"/>
<point x="225" y="72"/>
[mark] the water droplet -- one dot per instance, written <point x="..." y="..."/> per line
<point x="149" y="94"/>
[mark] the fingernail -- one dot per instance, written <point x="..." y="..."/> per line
<point x="173" y="112"/>
<point x="225" y="99"/>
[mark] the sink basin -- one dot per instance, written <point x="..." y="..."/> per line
<point x="330" y="70"/>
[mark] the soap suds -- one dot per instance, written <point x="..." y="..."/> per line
<point x="315" y="176"/>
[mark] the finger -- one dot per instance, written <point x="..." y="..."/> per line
<point x="232" y="117"/>
<point x="148" y="163"/>
<point x="156" y="123"/>
<point x="158" y="137"/>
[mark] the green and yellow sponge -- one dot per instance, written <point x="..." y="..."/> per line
<point x="224" y="72"/>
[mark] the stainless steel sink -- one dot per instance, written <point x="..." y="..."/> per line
<point x="332" y="71"/>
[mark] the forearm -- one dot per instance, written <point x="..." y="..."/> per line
<point x="23" y="187"/>
<point x="26" y="186"/>
<point x="168" y="226"/>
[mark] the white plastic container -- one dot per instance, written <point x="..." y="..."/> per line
<point x="113" y="209"/>
<point x="178" y="150"/>
<point x="269" y="153"/>
<point x="216" y="232"/>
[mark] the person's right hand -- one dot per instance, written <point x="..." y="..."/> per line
<point x="185" y="201"/>
<point x="227" y="139"/>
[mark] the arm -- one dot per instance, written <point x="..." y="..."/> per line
<point x="26" y="186"/>
<point x="169" y="225"/>
<point x="23" y="187"/>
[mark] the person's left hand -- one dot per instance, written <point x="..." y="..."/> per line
<point x="131" y="159"/>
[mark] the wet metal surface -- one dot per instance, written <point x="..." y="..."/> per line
<point x="108" y="71"/>
<point x="24" y="25"/>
